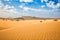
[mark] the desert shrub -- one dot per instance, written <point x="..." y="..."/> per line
<point x="17" y="20"/>
<point x="40" y="21"/>
<point x="55" y="20"/>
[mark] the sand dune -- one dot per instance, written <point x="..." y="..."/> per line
<point x="29" y="30"/>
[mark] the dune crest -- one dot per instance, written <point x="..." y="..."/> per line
<point x="30" y="30"/>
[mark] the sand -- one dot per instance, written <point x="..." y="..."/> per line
<point x="29" y="30"/>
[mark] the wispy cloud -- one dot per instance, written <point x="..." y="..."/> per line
<point x="33" y="9"/>
<point x="51" y="4"/>
<point x="52" y="13"/>
<point x="11" y="11"/>
<point x="26" y="0"/>
<point x="6" y="10"/>
<point x="1" y="5"/>
<point x="6" y="0"/>
<point x="44" y="1"/>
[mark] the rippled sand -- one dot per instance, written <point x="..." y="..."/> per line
<point x="29" y="30"/>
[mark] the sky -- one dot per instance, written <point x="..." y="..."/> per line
<point x="36" y="8"/>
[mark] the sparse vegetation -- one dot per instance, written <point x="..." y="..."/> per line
<point x="30" y="30"/>
<point x="17" y="20"/>
<point x="41" y="21"/>
<point x="55" y="20"/>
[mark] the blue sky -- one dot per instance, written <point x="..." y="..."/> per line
<point x="37" y="8"/>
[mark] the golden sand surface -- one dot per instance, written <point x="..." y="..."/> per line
<point x="29" y="30"/>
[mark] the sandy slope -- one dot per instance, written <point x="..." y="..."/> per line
<point x="30" y="30"/>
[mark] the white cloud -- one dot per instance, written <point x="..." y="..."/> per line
<point x="58" y="5"/>
<point x="24" y="8"/>
<point x="33" y="9"/>
<point x="42" y="6"/>
<point x="44" y="1"/>
<point x="26" y="0"/>
<point x="51" y="5"/>
<point x="21" y="6"/>
<point x="10" y="11"/>
<point x="1" y="5"/>
<point x="42" y="12"/>
<point x="7" y="11"/>
<point x="8" y="7"/>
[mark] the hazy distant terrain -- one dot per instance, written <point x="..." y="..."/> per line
<point x="28" y="18"/>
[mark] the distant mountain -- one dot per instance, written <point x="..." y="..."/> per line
<point x="27" y="17"/>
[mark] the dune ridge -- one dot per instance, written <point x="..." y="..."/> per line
<point x="30" y="30"/>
